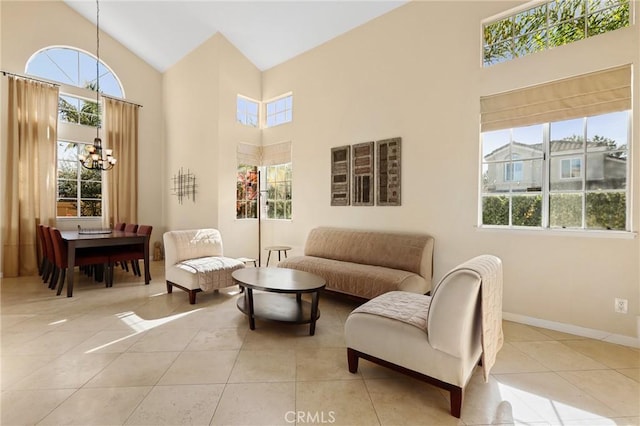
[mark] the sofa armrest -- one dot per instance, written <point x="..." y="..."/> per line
<point x="453" y="324"/>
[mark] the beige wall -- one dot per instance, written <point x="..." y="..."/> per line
<point x="28" y="26"/>
<point x="411" y="73"/>
<point x="202" y="135"/>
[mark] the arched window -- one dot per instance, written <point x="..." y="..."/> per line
<point x="79" y="191"/>
<point x="73" y="67"/>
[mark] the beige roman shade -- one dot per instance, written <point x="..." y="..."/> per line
<point x="268" y="155"/>
<point x="595" y="93"/>
<point x="279" y="153"/>
<point x="249" y="154"/>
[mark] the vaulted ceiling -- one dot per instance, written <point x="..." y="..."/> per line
<point x="267" y="32"/>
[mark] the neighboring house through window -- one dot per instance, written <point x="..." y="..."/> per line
<point x="552" y="167"/>
<point x="79" y="189"/>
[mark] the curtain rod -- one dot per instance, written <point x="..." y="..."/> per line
<point x="26" y="77"/>
<point x="120" y="100"/>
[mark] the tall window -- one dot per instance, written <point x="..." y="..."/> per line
<point x="275" y="181"/>
<point x="276" y="188"/>
<point x="247" y="111"/>
<point x="279" y="191"/>
<point x="247" y="192"/>
<point x="79" y="190"/>
<point x="574" y="174"/>
<point x="279" y="111"/>
<point x="549" y="25"/>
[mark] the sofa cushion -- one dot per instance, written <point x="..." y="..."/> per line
<point x="366" y="281"/>
<point x="405" y="251"/>
<point x="205" y="273"/>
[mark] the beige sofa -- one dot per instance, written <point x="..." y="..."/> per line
<point x="194" y="261"/>
<point x="366" y="264"/>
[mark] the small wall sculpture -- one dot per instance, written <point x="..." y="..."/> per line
<point x="184" y="185"/>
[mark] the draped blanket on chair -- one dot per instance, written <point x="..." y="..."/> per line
<point x="489" y="269"/>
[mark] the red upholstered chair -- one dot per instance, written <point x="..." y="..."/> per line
<point x="48" y="248"/>
<point x="83" y="257"/>
<point x="119" y="226"/>
<point x="131" y="253"/>
<point x="44" y="255"/>
<point x="133" y="228"/>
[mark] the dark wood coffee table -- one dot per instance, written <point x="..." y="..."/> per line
<point x="275" y="302"/>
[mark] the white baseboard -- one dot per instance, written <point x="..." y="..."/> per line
<point x="618" y="339"/>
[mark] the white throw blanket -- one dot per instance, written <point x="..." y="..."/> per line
<point x="213" y="271"/>
<point x="489" y="269"/>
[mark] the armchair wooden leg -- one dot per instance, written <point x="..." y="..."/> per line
<point x="456" y="395"/>
<point x="352" y="359"/>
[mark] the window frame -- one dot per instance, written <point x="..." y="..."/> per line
<point x="544" y="30"/>
<point x="79" y="181"/>
<point x="570" y="159"/>
<point x="546" y="191"/>
<point x="243" y="115"/>
<point x="80" y="133"/>
<point x="286" y="112"/>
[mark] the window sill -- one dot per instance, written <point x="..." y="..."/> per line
<point x="625" y="235"/>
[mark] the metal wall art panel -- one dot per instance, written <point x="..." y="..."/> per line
<point x="362" y="169"/>
<point x="388" y="177"/>
<point x="340" y="175"/>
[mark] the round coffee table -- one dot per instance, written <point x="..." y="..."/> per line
<point x="276" y="304"/>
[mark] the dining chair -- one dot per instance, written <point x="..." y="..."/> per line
<point x="119" y="226"/>
<point x="48" y="244"/>
<point x="42" y="250"/>
<point x="83" y="257"/>
<point x="128" y="227"/>
<point x="131" y="254"/>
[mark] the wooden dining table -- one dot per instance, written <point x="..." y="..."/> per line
<point x="79" y="239"/>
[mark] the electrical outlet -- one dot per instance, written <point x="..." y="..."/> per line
<point x="621" y="305"/>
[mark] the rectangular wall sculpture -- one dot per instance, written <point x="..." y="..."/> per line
<point x="340" y="175"/>
<point x="362" y="172"/>
<point x="388" y="176"/>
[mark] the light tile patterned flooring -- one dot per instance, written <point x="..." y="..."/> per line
<point x="135" y="355"/>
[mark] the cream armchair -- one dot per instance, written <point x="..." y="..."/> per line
<point x="439" y="339"/>
<point x="194" y="261"/>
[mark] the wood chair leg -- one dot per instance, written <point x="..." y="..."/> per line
<point x="61" y="282"/>
<point x="352" y="360"/>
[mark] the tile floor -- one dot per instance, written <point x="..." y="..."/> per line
<point x="135" y="355"/>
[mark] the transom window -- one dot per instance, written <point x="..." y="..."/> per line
<point x="279" y="111"/>
<point x="247" y="111"/>
<point x="573" y="174"/>
<point x="79" y="189"/>
<point x="550" y="25"/>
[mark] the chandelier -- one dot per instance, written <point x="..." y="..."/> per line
<point x="98" y="158"/>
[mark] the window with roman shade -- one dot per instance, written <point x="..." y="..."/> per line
<point x="545" y="131"/>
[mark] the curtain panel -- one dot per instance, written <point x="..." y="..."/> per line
<point x="595" y="93"/>
<point x="121" y="135"/>
<point x="29" y="178"/>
